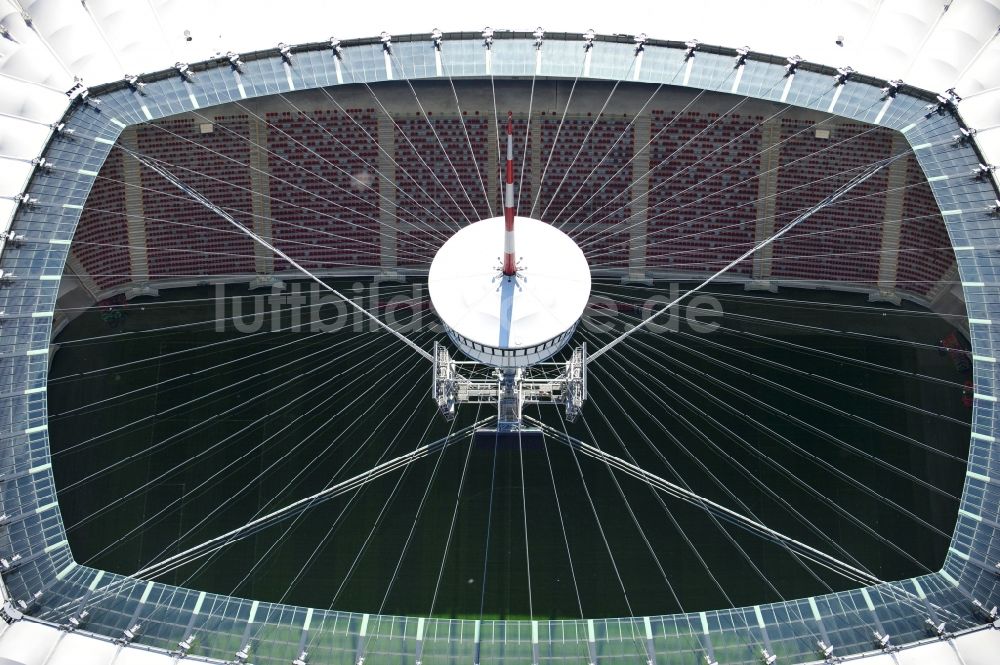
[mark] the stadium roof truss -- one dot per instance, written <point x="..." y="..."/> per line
<point x="57" y="190"/>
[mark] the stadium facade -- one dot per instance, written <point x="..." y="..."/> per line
<point x="950" y="61"/>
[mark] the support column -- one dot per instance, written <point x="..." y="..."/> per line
<point x="535" y="157"/>
<point x="493" y="166"/>
<point x="946" y="297"/>
<point x="767" y="188"/>
<point x="135" y="220"/>
<point x="947" y="283"/>
<point x="640" y="207"/>
<point x="70" y="302"/>
<point x="75" y="267"/>
<point x="388" y="223"/>
<point x="260" y="204"/>
<point x="888" y="257"/>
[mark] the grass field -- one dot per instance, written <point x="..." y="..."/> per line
<point x="253" y="422"/>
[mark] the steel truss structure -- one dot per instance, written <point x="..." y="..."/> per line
<point x="457" y="382"/>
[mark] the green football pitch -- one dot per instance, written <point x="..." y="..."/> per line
<point x="831" y="420"/>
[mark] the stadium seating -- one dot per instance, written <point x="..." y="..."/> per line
<point x="584" y="188"/>
<point x="702" y="190"/>
<point x="842" y="242"/>
<point x="325" y="195"/>
<point x="426" y="209"/>
<point x="925" y="249"/>
<point x="101" y="241"/>
<point x="324" y="187"/>
<point x="184" y="238"/>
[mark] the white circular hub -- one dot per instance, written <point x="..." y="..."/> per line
<point x="510" y="321"/>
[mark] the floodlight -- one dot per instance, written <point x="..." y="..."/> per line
<point x="235" y="61"/>
<point x="980" y="611"/>
<point x="933" y="628"/>
<point x="9" y="564"/>
<point x="892" y="88"/>
<point x="843" y="73"/>
<point x="27" y="201"/>
<point x="982" y="171"/>
<point x="133" y="82"/>
<point x="130" y="634"/>
<point x="539" y="35"/>
<point x="691" y="46"/>
<point x="964" y="136"/>
<point x="185" y="645"/>
<point x="77" y="621"/>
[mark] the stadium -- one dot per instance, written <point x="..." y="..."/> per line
<point x="650" y="335"/>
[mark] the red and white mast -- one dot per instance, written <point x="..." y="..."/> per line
<point x="509" y="264"/>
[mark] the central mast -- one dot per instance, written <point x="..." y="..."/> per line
<point x="509" y="264"/>
<point x="499" y="318"/>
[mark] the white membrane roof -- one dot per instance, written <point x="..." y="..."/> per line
<point x="932" y="44"/>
